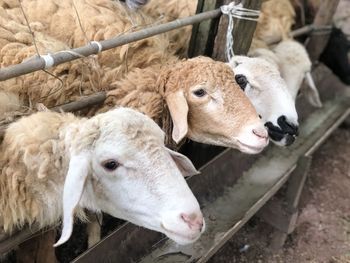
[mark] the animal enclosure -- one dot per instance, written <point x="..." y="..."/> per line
<point x="232" y="186"/>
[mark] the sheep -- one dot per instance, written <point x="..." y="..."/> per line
<point x="262" y="83"/>
<point x="54" y="165"/>
<point x="275" y="21"/>
<point x="200" y="97"/>
<point x="78" y="22"/>
<point x="295" y="66"/>
<point x="166" y="11"/>
<point x="214" y="109"/>
<point x="164" y="83"/>
<point x="292" y="62"/>
<point x="74" y="79"/>
<point x="273" y="101"/>
<point x="219" y="114"/>
<point x="9" y="102"/>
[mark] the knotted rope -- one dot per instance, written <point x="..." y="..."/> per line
<point x="236" y="11"/>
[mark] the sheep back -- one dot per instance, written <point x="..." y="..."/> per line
<point x="33" y="166"/>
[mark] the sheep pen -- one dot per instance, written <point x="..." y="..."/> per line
<point x="196" y="182"/>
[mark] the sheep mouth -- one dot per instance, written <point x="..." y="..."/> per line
<point x="251" y="148"/>
<point x="181" y="238"/>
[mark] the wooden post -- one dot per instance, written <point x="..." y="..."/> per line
<point x="283" y="214"/>
<point x="203" y="34"/>
<point x="243" y="32"/>
<point x="38" y="249"/>
<point x="317" y="42"/>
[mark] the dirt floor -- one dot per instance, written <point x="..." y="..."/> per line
<point x="323" y="227"/>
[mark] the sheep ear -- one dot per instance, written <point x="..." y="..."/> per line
<point x="184" y="164"/>
<point x="73" y="188"/>
<point x="311" y="92"/>
<point x="178" y="108"/>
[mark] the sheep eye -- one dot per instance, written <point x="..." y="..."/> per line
<point x="110" y="165"/>
<point x="199" y="92"/>
<point x="241" y="81"/>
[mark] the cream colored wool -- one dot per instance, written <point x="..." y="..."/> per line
<point x="100" y="20"/>
<point x="9" y="102"/>
<point x="19" y="162"/>
<point x="275" y="22"/>
<point x="74" y="79"/>
<point x="166" y="11"/>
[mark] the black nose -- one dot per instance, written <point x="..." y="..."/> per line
<point x="283" y="131"/>
<point x="275" y="132"/>
<point x="288" y="128"/>
<point x="289" y="139"/>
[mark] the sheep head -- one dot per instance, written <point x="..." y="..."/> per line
<point x="295" y="67"/>
<point x="261" y="81"/>
<point x="119" y="165"/>
<point x="208" y="106"/>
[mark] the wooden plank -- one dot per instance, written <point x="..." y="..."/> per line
<point x="317" y="42"/>
<point x="296" y="183"/>
<point x="38" y="249"/>
<point x="203" y="34"/>
<point x="275" y="214"/>
<point x="281" y="213"/>
<point x="7" y="243"/>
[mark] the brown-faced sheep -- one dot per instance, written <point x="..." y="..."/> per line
<point x="202" y="98"/>
<point x="54" y="165"/>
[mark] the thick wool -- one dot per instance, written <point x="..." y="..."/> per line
<point x="78" y="22"/>
<point x="155" y="83"/>
<point x="166" y="11"/>
<point x="9" y="102"/>
<point x="33" y="153"/>
<point x="101" y="20"/>
<point x="73" y="79"/>
<point x="275" y="22"/>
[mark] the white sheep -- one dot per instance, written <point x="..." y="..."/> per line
<point x="294" y="65"/>
<point x="262" y="83"/>
<point x="286" y="66"/>
<point x="55" y="165"/>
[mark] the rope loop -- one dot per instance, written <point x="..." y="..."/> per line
<point x="233" y="10"/>
<point x="49" y="60"/>
<point x="98" y="44"/>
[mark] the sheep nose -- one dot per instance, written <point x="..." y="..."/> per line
<point x="261" y="132"/>
<point x="193" y="220"/>
<point x="288" y="127"/>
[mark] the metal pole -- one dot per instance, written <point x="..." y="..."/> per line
<point x="38" y="63"/>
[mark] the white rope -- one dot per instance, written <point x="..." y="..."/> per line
<point x="49" y="60"/>
<point x="236" y="11"/>
<point x="99" y="46"/>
